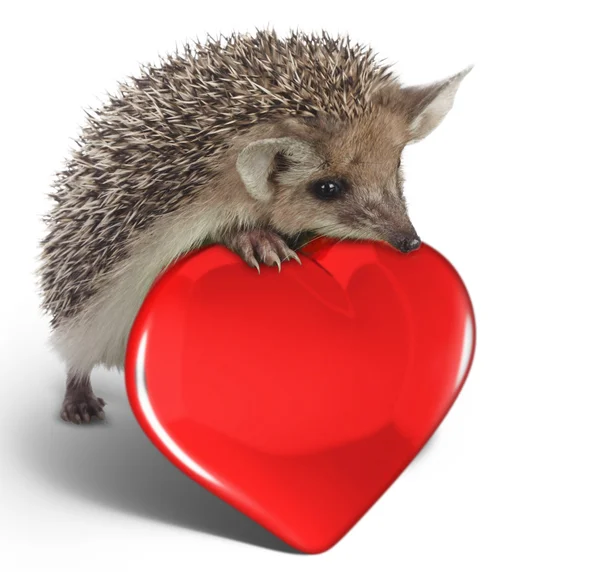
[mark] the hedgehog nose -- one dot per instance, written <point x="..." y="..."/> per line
<point x="406" y="242"/>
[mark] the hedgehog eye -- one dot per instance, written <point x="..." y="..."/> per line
<point x="327" y="189"/>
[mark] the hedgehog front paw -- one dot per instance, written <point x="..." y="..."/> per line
<point x="260" y="245"/>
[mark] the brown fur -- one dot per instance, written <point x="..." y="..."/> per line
<point x="223" y="142"/>
<point x="366" y="153"/>
<point x="156" y="145"/>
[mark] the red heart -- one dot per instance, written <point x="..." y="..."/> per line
<point x="299" y="397"/>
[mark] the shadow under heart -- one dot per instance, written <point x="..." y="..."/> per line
<point x="114" y="464"/>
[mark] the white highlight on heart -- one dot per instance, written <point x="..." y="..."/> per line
<point x="159" y="430"/>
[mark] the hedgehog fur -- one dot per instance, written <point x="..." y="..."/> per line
<point x="126" y="204"/>
<point x="149" y="149"/>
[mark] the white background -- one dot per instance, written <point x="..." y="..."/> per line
<point x="507" y="189"/>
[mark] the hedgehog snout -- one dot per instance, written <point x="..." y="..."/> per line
<point x="405" y="241"/>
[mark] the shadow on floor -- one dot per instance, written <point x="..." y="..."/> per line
<point x="115" y="465"/>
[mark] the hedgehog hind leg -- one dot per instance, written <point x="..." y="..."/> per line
<point x="80" y="404"/>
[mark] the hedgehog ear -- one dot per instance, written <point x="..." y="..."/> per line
<point x="424" y="106"/>
<point x="256" y="162"/>
<point x="427" y="105"/>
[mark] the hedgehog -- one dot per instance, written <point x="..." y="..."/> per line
<point x="254" y="141"/>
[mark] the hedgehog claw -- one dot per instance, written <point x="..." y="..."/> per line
<point x="253" y="262"/>
<point x="260" y="246"/>
<point x="295" y="257"/>
<point x="274" y="259"/>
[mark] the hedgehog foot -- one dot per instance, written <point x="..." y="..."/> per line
<point x="80" y="405"/>
<point x="260" y="245"/>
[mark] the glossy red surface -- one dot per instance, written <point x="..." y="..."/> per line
<point x="299" y="397"/>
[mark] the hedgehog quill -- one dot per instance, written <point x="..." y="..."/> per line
<point x="252" y="141"/>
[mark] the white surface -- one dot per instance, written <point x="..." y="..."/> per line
<point x="507" y="189"/>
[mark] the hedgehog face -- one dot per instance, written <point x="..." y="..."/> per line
<point x="358" y="190"/>
<point x="343" y="178"/>
<point x="346" y="182"/>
